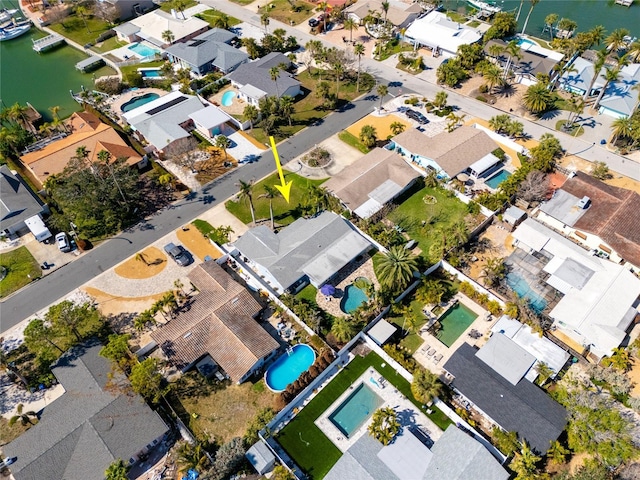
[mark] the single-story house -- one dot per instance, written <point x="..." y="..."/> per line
<point x="437" y="32"/>
<point x="253" y="80"/>
<point x="454" y="456"/>
<point x="375" y="179"/>
<point x="125" y="9"/>
<point x="17" y="203"/>
<point x="600" y="298"/>
<point x="165" y="122"/>
<point x="601" y="217"/>
<point x="578" y="78"/>
<point x="86" y="130"/>
<point x="520" y="407"/>
<point x="534" y="59"/>
<point x="465" y="150"/>
<point x="221" y="324"/>
<point x="89" y="427"/>
<point x="207" y="52"/>
<point x="210" y="121"/>
<point x="399" y="14"/>
<point x="310" y="250"/>
<point x="151" y="26"/>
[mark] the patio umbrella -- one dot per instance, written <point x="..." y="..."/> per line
<point x="327" y="289"/>
<point x="463" y="177"/>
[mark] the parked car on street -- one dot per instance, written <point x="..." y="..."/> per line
<point x="178" y="253"/>
<point x="62" y="240"/>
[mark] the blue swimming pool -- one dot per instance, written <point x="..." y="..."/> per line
<point x="227" y="98"/>
<point x="138" y="101"/>
<point x="289" y="366"/>
<point x="150" y="73"/>
<point x="525" y="42"/>
<point x="355" y="410"/>
<point x="353" y="298"/>
<point x="497" y="179"/>
<point x="142" y="50"/>
<point x="518" y="284"/>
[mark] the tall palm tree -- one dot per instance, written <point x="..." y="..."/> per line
<point x="358" y="50"/>
<point x="550" y="20"/>
<point x="246" y="192"/>
<point x="493" y="271"/>
<point x="343" y="329"/>
<point x="270" y="193"/>
<point x="601" y="57"/>
<point x="287" y="103"/>
<point x="493" y="77"/>
<point x="314" y="47"/>
<point x="397" y="128"/>
<point x="396" y="268"/>
<point x="425" y="386"/>
<point x="368" y="135"/>
<point x="264" y="21"/>
<point x="338" y="71"/>
<point x="351" y="25"/>
<point x="512" y="49"/>
<point x="83" y="12"/>
<point x="597" y="34"/>
<point x="24" y="417"/>
<point x="168" y="36"/>
<point x="383" y="91"/>
<point x="616" y="41"/>
<point x="250" y="113"/>
<point x="222" y="20"/>
<point x="323" y="6"/>
<point x="633" y="53"/>
<point x="17" y="113"/>
<point x="274" y="73"/>
<point x="533" y="4"/>
<point x="610" y="75"/>
<point x="495" y="50"/>
<point x="575" y="106"/>
<point x="179" y="6"/>
<point x="440" y="100"/>
<point x="622" y="127"/>
<point x="223" y="142"/>
<point x="385" y="10"/>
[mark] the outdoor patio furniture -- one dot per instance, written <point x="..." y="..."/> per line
<point x="431" y="352"/>
<point x="437" y="358"/>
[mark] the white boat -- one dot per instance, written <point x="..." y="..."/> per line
<point x="9" y="33"/>
<point x="6" y="15"/>
<point x="489" y="6"/>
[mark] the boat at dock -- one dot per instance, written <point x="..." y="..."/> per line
<point x="6" y="15"/>
<point x="485" y="6"/>
<point x="14" y="31"/>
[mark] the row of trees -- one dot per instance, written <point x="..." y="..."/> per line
<point x="278" y="41"/>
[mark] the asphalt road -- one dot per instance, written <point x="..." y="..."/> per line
<point x="42" y="293"/>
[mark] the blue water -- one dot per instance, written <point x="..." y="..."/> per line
<point x="136" y="102"/>
<point x="353" y="298"/>
<point x="525" y="41"/>
<point x="496" y="180"/>
<point x="289" y="366"/>
<point x="455" y="321"/>
<point x="150" y="73"/>
<point x="143" y="50"/>
<point x="227" y="98"/>
<point x="522" y="288"/>
<point x="355" y="410"/>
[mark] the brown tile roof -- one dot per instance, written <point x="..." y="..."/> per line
<point x="453" y="151"/>
<point x="354" y="184"/>
<point x="220" y="322"/>
<point x="613" y="215"/>
<point x="117" y="151"/>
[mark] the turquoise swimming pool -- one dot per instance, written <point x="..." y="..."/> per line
<point x="455" y="321"/>
<point x="355" y="410"/>
<point x="518" y="284"/>
<point x="289" y="366"/>
<point x="142" y="50"/>
<point x="353" y="298"/>
<point x="138" y="101"/>
<point x="525" y="42"/>
<point x="497" y="179"/>
<point x="227" y="98"/>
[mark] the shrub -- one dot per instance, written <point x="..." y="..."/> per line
<point x="411" y="101"/>
<point x="494" y="307"/>
<point x="111" y="86"/>
<point x="483" y="88"/>
<point x="481" y="98"/>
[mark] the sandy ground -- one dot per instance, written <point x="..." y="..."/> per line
<point x="382" y="124"/>
<point x="501" y="241"/>
<point x="133" y="268"/>
<point x="634" y="376"/>
<point x="114" y="305"/>
<point x="508" y="101"/>
<point x="197" y="243"/>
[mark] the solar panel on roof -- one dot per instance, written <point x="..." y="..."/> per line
<point x="170" y="104"/>
<point x="197" y="42"/>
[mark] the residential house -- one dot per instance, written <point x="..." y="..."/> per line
<point x="17" y="203"/>
<point x="465" y="150"/>
<point x="504" y="397"/>
<point x="151" y="26"/>
<point x="375" y="179"/>
<point x="533" y="60"/>
<point x="166" y="122"/>
<point x="211" y="121"/>
<point x="310" y="250"/>
<point x="600" y="299"/>
<point x="578" y="78"/>
<point x="399" y="14"/>
<point x="97" y="421"/>
<point x="253" y="80"/>
<point x="220" y="323"/>
<point x="126" y="9"/>
<point x="86" y="130"/>
<point x="454" y="456"/>
<point x="601" y="217"/>
<point x="209" y="51"/>
<point x="442" y="35"/>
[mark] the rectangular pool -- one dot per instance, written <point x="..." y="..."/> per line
<point x="355" y="410"/>
<point x="518" y="284"/>
<point x="455" y="321"/>
<point x="142" y="50"/>
<point x="497" y="179"/>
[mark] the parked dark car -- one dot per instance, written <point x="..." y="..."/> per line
<point x="313" y="22"/>
<point x="178" y="253"/>
<point x="417" y="116"/>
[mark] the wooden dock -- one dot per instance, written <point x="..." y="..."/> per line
<point x="47" y="42"/>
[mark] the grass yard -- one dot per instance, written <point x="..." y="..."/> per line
<point x="308" y="293"/>
<point x="129" y="69"/>
<point x="393" y="47"/>
<point x="108" y="45"/>
<point x="167" y="6"/>
<point x="413" y="211"/>
<point x="319" y="454"/>
<point x="353" y="141"/>
<point x="576" y="130"/>
<point x="212" y="15"/>
<point x="284" y="213"/>
<point x="412" y="341"/>
<point x="290" y="12"/>
<point x="21" y="269"/>
<point x="243" y="2"/>
<point x="10" y="433"/>
<point x="73" y="27"/>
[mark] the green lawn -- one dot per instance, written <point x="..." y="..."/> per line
<point x="211" y="16"/>
<point x="284" y="11"/>
<point x="74" y="28"/>
<point x="457" y="17"/>
<point x="284" y="213"/>
<point x="308" y="293"/>
<point x="410" y="214"/>
<point x="576" y="130"/>
<point x="412" y="341"/>
<point x="134" y="68"/>
<point x="319" y="454"/>
<point x="22" y="269"/>
<point x="243" y="2"/>
<point x="392" y="48"/>
<point x="353" y="141"/>
<point x="167" y="6"/>
<point x="108" y="45"/>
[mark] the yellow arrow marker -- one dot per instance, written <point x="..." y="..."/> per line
<point x="285" y="188"/>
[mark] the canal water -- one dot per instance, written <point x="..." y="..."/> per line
<point x="587" y="13"/>
<point x="42" y="79"/>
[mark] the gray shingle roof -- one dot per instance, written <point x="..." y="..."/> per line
<point x="523" y="408"/>
<point x="86" y="429"/>
<point x="17" y="203"/>
<point x="201" y="51"/>
<point x="257" y="74"/>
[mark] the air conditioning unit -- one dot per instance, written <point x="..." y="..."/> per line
<point x="584" y="203"/>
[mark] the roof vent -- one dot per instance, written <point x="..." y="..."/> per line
<point x="235" y="300"/>
<point x="187" y="335"/>
<point x="584" y="202"/>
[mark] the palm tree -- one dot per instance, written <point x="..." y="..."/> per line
<point x="191" y="457"/>
<point x="351" y="25"/>
<point x="454" y="121"/>
<point x="222" y="20"/>
<point x="17" y="113"/>
<point x="597" y="34"/>
<point x="396" y="267"/>
<point x="179" y="6"/>
<point x="601" y="57"/>
<point x="610" y="75"/>
<point x="524" y="463"/>
<point x="557" y="453"/>
<point x="533" y="4"/>
<point x="83" y="12"/>
<point x="397" y="128"/>
<point x="616" y="41"/>
<point x="384" y="425"/>
<point x="314" y="47"/>
<point x="544" y="372"/>
<point x="493" y="77"/>
<point x="368" y="136"/>
<point x="287" y="103"/>
<point x="117" y="471"/>
<point x="223" y="142"/>
<point x="274" y="73"/>
<point x="633" y="53"/>
<point x="493" y="271"/>
<point x="56" y="118"/>
<point x="440" y="100"/>
<point x="358" y="50"/>
<point x="24" y="417"/>
<point x="513" y="51"/>
<point x="264" y="21"/>
<point x="270" y="193"/>
<point x="622" y="127"/>
<point x="575" y="106"/>
<point x="425" y="386"/>
<point x="246" y="192"/>
<point x="323" y="6"/>
<point x="537" y="98"/>
<point x="620" y="359"/>
<point x="338" y="71"/>
<point x="250" y="113"/>
<point x="550" y="21"/>
<point x="385" y="9"/>
<point x="343" y="329"/>
<point x="7" y="365"/>
<point x="383" y="91"/>
<point x="146" y="317"/>
<point x="168" y="36"/>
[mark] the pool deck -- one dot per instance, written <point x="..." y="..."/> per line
<point x="408" y="414"/>
<point x="116" y="104"/>
<point x="236" y="107"/>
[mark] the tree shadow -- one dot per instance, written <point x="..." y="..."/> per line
<point x="550" y="115"/>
